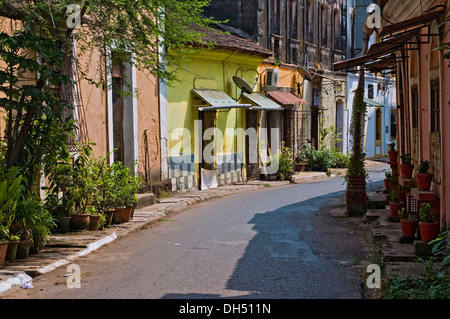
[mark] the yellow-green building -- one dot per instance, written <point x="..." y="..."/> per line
<point x="208" y="114"/>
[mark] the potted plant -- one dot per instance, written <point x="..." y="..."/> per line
<point x="400" y="193"/>
<point x="10" y="186"/>
<point x="406" y="168"/>
<point x="104" y="197"/>
<point x="127" y="185"/>
<point x="77" y="182"/>
<point x="392" y="153"/>
<point x="387" y="180"/>
<point x="423" y="176"/>
<point x="95" y="218"/>
<point x="301" y="161"/>
<point x="4" y="232"/>
<point x="285" y="162"/>
<point x="40" y="223"/>
<point x="429" y="228"/>
<point x="394" y="204"/>
<point x="408" y="223"/>
<point x="32" y="223"/>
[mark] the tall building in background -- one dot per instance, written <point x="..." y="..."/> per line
<point x="307" y="37"/>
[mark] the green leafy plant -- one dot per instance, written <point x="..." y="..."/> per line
<point x="356" y="165"/>
<point x="73" y="183"/>
<point x="424" y="167"/>
<point x="394" y="197"/>
<point x="388" y="174"/>
<point x="402" y="214"/>
<point x="406" y="159"/>
<point x="433" y="283"/>
<point x="412" y="183"/>
<point x="285" y="161"/>
<point x="391" y="146"/>
<point x="441" y="248"/>
<point x="32" y="218"/>
<point x="425" y="214"/>
<point x="323" y="159"/>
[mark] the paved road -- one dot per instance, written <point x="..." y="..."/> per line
<point x="273" y="243"/>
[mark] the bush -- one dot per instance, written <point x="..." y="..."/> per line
<point x="285" y="162"/>
<point x="323" y="159"/>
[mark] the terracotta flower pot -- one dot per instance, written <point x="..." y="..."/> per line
<point x="387" y="184"/>
<point x="406" y="170"/>
<point x="428" y="231"/>
<point x="118" y="215"/>
<point x="392" y="156"/>
<point x="395" y="207"/>
<point x="401" y="196"/>
<point x="3" y="250"/>
<point x="126" y="213"/>
<point x="109" y="214"/>
<point x="11" y="253"/>
<point x="63" y="224"/>
<point x="424" y="181"/>
<point x="23" y="249"/>
<point x="409" y="227"/>
<point x="94" y="221"/>
<point x="79" y="222"/>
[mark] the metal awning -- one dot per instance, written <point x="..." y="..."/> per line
<point x="372" y="102"/>
<point x="379" y="52"/>
<point x="286" y="98"/>
<point x="393" y="38"/>
<point x="262" y="102"/>
<point x="419" y="22"/>
<point x="209" y="100"/>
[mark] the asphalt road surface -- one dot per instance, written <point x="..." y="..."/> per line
<point x="279" y="242"/>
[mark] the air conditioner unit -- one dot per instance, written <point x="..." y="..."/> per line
<point x="272" y="78"/>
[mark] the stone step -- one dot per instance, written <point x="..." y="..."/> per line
<point x="146" y="199"/>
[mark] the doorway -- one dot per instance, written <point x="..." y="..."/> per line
<point x="251" y="121"/>
<point x="378" y="132"/>
<point x="339" y="126"/>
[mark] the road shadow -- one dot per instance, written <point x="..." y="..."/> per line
<point x="299" y="251"/>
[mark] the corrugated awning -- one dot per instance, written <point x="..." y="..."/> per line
<point x="378" y="52"/>
<point x="393" y="38"/>
<point x="421" y="21"/>
<point x="372" y="102"/>
<point x="262" y="102"/>
<point x="216" y="99"/>
<point x="286" y="98"/>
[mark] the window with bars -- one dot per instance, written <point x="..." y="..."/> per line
<point x="309" y="21"/>
<point x="393" y="125"/>
<point x="324" y="15"/>
<point x="370" y="91"/>
<point x="415" y="106"/>
<point x="435" y="107"/>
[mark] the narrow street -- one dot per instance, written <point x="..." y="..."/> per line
<point x="273" y="243"/>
